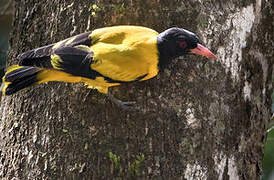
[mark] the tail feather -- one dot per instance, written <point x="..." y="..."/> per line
<point x="16" y="86"/>
<point x="18" y="74"/>
<point x="19" y="77"/>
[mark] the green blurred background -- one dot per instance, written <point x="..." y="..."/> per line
<point x="5" y="29"/>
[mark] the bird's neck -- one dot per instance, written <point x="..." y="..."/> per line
<point x="165" y="50"/>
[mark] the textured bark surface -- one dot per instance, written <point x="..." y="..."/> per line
<point x="196" y="120"/>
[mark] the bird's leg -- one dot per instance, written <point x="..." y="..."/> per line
<point x="85" y="98"/>
<point x="122" y="104"/>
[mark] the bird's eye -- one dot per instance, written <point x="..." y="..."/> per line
<point x="183" y="44"/>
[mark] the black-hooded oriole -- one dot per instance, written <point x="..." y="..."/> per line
<point x="103" y="58"/>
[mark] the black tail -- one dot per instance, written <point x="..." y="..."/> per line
<point x="19" y="77"/>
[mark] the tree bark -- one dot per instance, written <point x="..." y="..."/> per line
<point x="197" y="119"/>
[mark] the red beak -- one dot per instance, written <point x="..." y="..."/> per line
<point x="203" y="51"/>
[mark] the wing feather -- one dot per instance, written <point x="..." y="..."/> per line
<point x="41" y="57"/>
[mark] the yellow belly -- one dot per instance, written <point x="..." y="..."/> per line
<point x="53" y="75"/>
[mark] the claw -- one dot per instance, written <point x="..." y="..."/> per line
<point x="124" y="105"/>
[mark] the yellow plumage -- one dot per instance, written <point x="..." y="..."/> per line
<point x="125" y="53"/>
<point x="119" y="53"/>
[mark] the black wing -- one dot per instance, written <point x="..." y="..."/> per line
<point x="41" y="57"/>
<point x="74" y="61"/>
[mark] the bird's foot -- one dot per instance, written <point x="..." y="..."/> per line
<point x="125" y="105"/>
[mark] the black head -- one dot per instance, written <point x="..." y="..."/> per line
<point x="175" y="42"/>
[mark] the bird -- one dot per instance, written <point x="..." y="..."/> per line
<point x="103" y="58"/>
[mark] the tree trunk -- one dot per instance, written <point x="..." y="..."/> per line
<point x="197" y="119"/>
